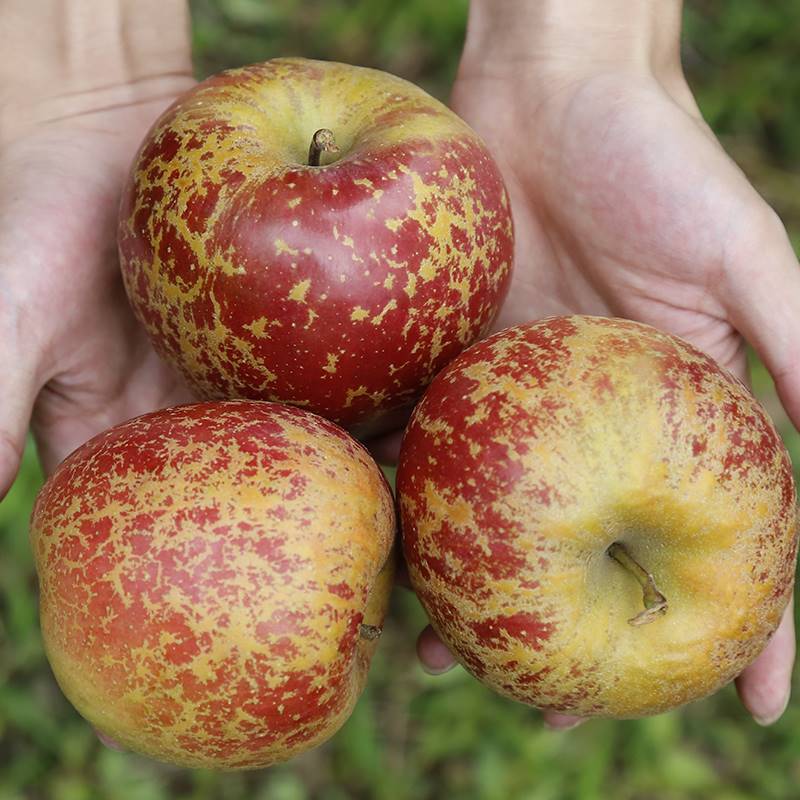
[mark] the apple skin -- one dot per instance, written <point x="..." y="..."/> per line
<point x="342" y="288"/>
<point x="539" y="447"/>
<point x="204" y="574"/>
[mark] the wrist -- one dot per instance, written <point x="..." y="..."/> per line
<point x="569" y="36"/>
<point x="64" y="57"/>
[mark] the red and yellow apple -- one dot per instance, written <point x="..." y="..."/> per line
<point x="597" y="517"/>
<point x="213" y="579"/>
<point x="340" y="275"/>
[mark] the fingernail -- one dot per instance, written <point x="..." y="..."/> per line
<point x="436" y="670"/>
<point x="568" y="727"/>
<point x="109" y="742"/>
<point x="768" y="719"/>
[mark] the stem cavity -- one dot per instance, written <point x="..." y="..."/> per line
<point x="321" y="142"/>
<point x="655" y="604"/>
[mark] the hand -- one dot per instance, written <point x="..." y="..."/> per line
<point x="626" y="205"/>
<point x="79" y="86"/>
<point x="71" y="353"/>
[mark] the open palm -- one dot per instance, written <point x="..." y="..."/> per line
<point x="626" y="205"/>
<point x="72" y="357"/>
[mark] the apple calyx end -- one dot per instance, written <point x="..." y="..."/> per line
<point x="322" y="141"/>
<point x="370" y="632"/>
<point x="655" y="604"/>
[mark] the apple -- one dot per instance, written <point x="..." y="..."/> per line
<point x="598" y="518"/>
<point x="213" y="580"/>
<point x="317" y="234"/>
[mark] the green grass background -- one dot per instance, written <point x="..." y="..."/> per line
<point x="414" y="736"/>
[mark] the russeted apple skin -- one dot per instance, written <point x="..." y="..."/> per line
<point x="204" y="574"/>
<point x="342" y="288"/>
<point x="538" y="448"/>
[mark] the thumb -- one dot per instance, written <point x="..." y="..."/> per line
<point x="20" y="387"/>
<point x="762" y="299"/>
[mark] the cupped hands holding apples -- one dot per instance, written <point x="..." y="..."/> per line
<point x="624" y="204"/>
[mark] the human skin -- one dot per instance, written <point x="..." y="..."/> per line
<point x="625" y="204"/>
<point x="80" y="84"/>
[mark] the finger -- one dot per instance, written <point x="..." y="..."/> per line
<point x="762" y="298"/>
<point x="401" y="576"/>
<point x="110" y="743"/>
<point x="386" y="449"/>
<point x="19" y="389"/>
<point x="433" y="653"/>
<point x="764" y="687"/>
<point x="560" y="722"/>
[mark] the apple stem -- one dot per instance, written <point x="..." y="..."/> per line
<point x="655" y="604"/>
<point x="370" y="632"/>
<point x="321" y="142"/>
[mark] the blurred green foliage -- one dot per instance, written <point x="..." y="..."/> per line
<point x="417" y="39"/>
<point x="739" y="58"/>
<point x="413" y="736"/>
